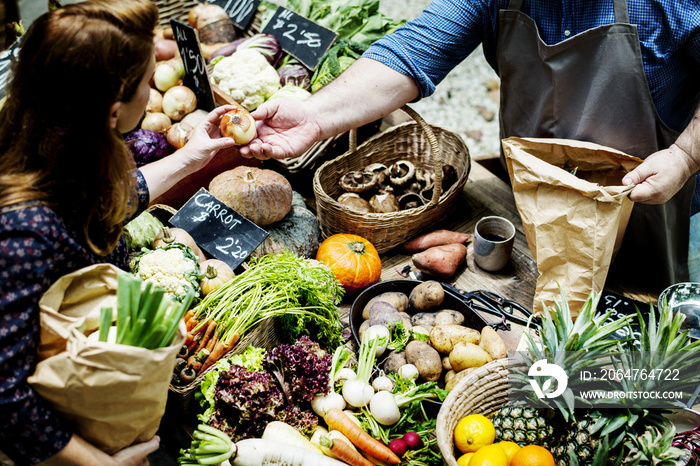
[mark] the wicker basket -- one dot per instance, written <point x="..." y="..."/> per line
<point x="425" y="146"/>
<point x="264" y="335"/>
<point x="481" y="392"/>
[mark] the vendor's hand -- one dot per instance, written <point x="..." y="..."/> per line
<point x="285" y="129"/>
<point x="137" y="455"/>
<point x="660" y="176"/>
<point x="206" y="140"/>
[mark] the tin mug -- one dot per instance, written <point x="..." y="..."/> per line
<point x="493" y="242"/>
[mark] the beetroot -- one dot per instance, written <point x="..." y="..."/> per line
<point x="398" y="446"/>
<point x="413" y="440"/>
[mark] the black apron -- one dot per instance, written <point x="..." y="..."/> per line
<point x="592" y="87"/>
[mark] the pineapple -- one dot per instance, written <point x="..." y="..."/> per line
<point x="653" y="447"/>
<point x="516" y="422"/>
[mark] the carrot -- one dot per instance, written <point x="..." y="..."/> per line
<point x="188" y="315"/>
<point x="191" y="323"/>
<point x="211" y="326"/>
<point x="434" y="238"/>
<point x="344" y="452"/>
<point x="222" y="347"/>
<point x="212" y="342"/>
<point x="336" y="419"/>
<point x="195" y="361"/>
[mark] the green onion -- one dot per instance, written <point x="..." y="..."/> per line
<point x="105" y="322"/>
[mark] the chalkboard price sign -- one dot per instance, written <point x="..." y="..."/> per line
<point x="300" y="37"/>
<point x="218" y="229"/>
<point x="196" y="77"/>
<point x="621" y="307"/>
<point x="7" y="58"/>
<point x="241" y="12"/>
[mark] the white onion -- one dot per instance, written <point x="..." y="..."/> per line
<point x="168" y="74"/>
<point x="178" y="101"/>
<point x="155" y="101"/>
<point x="156" y="121"/>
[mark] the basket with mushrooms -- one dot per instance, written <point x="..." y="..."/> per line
<point x="380" y="189"/>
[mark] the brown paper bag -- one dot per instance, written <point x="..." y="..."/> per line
<point x="114" y="394"/>
<point x="573" y="222"/>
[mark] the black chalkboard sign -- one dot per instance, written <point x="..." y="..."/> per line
<point x="300" y="37"/>
<point x="218" y="229"/>
<point x="621" y="307"/>
<point x="241" y="12"/>
<point x="196" y="77"/>
<point x="7" y="58"/>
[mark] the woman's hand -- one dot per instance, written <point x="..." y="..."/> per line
<point x="286" y="128"/>
<point x="660" y="176"/>
<point x="206" y="140"/>
<point x="136" y="455"/>
<point x="79" y="452"/>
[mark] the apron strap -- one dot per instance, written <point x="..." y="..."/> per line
<point x="515" y="5"/>
<point x="621" y="13"/>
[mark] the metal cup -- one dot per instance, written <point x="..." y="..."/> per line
<point x="493" y="242"/>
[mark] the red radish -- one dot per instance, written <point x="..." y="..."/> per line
<point x="398" y="446"/>
<point x="413" y="440"/>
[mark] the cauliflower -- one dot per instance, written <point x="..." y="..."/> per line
<point x="247" y="77"/>
<point x="173" y="267"/>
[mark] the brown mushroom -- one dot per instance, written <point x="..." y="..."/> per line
<point x="378" y="169"/>
<point x="358" y="181"/>
<point x="410" y="201"/>
<point x="401" y="172"/>
<point x="353" y="201"/>
<point x="384" y="203"/>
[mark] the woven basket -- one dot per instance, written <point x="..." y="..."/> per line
<point x="425" y="146"/>
<point x="481" y="392"/>
<point x="264" y="335"/>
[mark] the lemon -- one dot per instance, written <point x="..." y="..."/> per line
<point x="510" y="448"/>
<point x="473" y="432"/>
<point x="464" y="459"/>
<point x="489" y="455"/>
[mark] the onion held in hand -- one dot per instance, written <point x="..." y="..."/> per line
<point x="239" y="125"/>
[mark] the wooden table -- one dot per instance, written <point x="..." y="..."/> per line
<point x="486" y="194"/>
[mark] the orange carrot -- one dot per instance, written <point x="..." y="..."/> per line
<point x="222" y="347"/>
<point x="196" y="360"/>
<point x="344" y="452"/>
<point x="191" y="323"/>
<point x="189" y="314"/>
<point x="211" y="326"/>
<point x="336" y="419"/>
<point x="212" y="342"/>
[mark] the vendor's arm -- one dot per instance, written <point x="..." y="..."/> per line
<point x="365" y="92"/>
<point x="395" y="70"/>
<point x="203" y="144"/>
<point x="665" y="172"/>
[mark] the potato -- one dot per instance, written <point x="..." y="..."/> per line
<point x="383" y="313"/>
<point x="465" y="355"/>
<point x="448" y="375"/>
<point x="425" y="319"/>
<point x="425" y="358"/>
<point x="395" y="298"/>
<point x="450" y="384"/>
<point x="446" y="363"/>
<point x="449" y="316"/>
<point x="445" y="337"/>
<point x="395" y="360"/>
<point x="425" y="296"/>
<point x="492" y="343"/>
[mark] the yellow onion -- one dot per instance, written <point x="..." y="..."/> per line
<point x="155" y="101"/>
<point x="168" y="74"/>
<point x="178" y="134"/>
<point x="178" y="101"/>
<point x="156" y="121"/>
<point x="239" y="125"/>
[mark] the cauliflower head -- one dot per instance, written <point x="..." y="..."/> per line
<point x="247" y="77"/>
<point x="170" y="269"/>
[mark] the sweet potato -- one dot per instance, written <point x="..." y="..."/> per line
<point x="441" y="261"/>
<point x="435" y="238"/>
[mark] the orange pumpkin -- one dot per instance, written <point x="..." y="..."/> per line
<point x="353" y="259"/>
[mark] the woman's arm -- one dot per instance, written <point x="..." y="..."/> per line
<point x="78" y="452"/>
<point x="204" y="143"/>
<point x="365" y="92"/>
